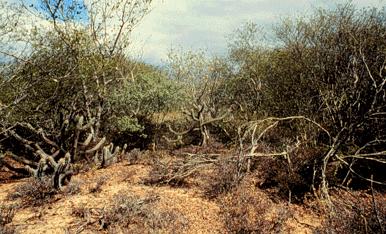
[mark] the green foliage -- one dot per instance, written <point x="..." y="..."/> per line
<point x="325" y="59"/>
<point x="53" y="82"/>
<point x="69" y="73"/>
<point x="329" y="67"/>
<point x="139" y="98"/>
<point x="70" y="69"/>
<point x="196" y="75"/>
<point x="201" y="80"/>
<point x="145" y="94"/>
<point x="131" y="124"/>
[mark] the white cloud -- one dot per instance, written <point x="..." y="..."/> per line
<point x="204" y="24"/>
<point x="195" y="24"/>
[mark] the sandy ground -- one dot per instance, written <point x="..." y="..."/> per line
<point x="201" y="215"/>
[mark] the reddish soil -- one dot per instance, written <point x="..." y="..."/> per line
<point x="201" y="215"/>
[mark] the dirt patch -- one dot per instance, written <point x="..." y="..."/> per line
<point x="95" y="192"/>
<point x="201" y="215"/>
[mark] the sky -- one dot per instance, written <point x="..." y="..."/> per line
<point x="206" y="24"/>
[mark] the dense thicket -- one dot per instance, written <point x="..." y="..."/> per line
<point x="315" y="94"/>
<point x="74" y="89"/>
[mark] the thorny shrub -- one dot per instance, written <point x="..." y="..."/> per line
<point x="73" y="187"/>
<point x="133" y="156"/>
<point x="81" y="211"/>
<point x="34" y="193"/>
<point x="145" y="157"/>
<point x="133" y="214"/>
<point x="176" y="171"/>
<point x="212" y="148"/>
<point x="222" y="180"/>
<point x="167" y="173"/>
<point x="356" y="212"/>
<point x="291" y="178"/>
<point x="247" y="210"/>
<point x="161" y="174"/>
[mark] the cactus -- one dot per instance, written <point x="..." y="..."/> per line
<point x="62" y="171"/>
<point x="64" y="149"/>
<point x="123" y="150"/>
<point x="87" y="141"/>
<point x="97" y="146"/>
<point x="111" y="154"/>
<point x="79" y="128"/>
<point x="62" y="168"/>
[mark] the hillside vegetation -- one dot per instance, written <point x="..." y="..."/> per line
<point x="286" y="135"/>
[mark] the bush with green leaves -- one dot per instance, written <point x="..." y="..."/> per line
<point x="56" y="94"/>
<point x="139" y="103"/>
<point x="329" y="67"/>
<point x="203" y="108"/>
<point x="144" y="95"/>
<point x="335" y="73"/>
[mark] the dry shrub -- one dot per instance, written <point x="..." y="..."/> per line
<point x="222" y="180"/>
<point x="212" y="148"/>
<point x="81" y="211"/>
<point x="174" y="172"/>
<point x="82" y="166"/>
<point x="356" y="212"/>
<point x="145" y="157"/>
<point x="162" y="173"/>
<point x="6" y="215"/>
<point x="248" y="210"/>
<point x="34" y="192"/>
<point x="291" y="179"/>
<point x="133" y="156"/>
<point x="174" y="168"/>
<point x="132" y="214"/>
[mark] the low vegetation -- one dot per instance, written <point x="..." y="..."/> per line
<point x="34" y="193"/>
<point x="246" y="210"/>
<point x="130" y="213"/>
<point x="361" y="213"/>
